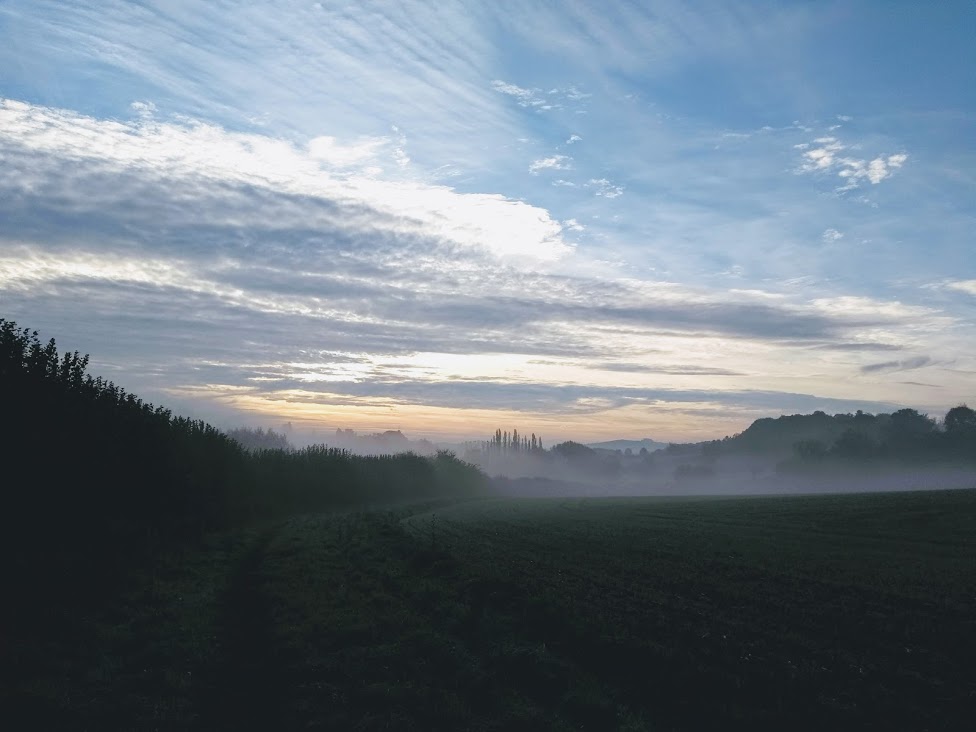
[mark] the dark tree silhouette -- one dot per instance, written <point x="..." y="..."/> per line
<point x="961" y="420"/>
<point x="95" y="479"/>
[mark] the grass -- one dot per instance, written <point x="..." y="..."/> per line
<point x="811" y="612"/>
<point x="139" y="657"/>
<point x="852" y="612"/>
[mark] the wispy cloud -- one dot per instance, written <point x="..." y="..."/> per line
<point x="573" y="93"/>
<point x="246" y="224"/>
<point x="603" y="187"/>
<point x="554" y="162"/>
<point x="524" y="97"/>
<point x="908" y="364"/>
<point x="674" y="370"/>
<point x="532" y="98"/>
<point x="573" y="225"/>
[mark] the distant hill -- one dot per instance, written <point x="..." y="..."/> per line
<point x="634" y="445"/>
<point x="779" y="435"/>
<point x="903" y="434"/>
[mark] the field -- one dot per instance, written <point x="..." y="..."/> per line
<point x="635" y="614"/>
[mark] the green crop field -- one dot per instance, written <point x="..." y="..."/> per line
<point x="822" y="612"/>
<point x="813" y="612"/>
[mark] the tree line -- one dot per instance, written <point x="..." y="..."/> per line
<point x="505" y="442"/>
<point x="905" y="435"/>
<point x="95" y="477"/>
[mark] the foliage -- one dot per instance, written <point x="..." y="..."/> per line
<point x="96" y="478"/>
<point x="800" y="613"/>
<point x="905" y="435"/>
<point x="574" y="450"/>
<point x="259" y="439"/>
<point x="512" y="443"/>
<point x="961" y="421"/>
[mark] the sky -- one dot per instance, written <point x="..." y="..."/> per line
<point x="585" y="220"/>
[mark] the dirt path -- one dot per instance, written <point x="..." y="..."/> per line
<point x="245" y="693"/>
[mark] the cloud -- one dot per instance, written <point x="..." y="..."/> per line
<point x="555" y="99"/>
<point x="400" y="149"/>
<point x="573" y="225"/>
<point x="875" y="170"/>
<point x="824" y="154"/>
<point x="859" y="347"/>
<point x="537" y="397"/>
<point x="524" y="97"/>
<point x="573" y="139"/>
<point x="603" y="187"/>
<point x="200" y="156"/>
<point x="556" y="162"/>
<point x="908" y="364"/>
<point x="675" y="370"/>
<point x="831" y="235"/>
<point x="325" y="228"/>
<point x="575" y="94"/>
<point x="335" y="154"/>
<point x="967" y="286"/>
<point x="145" y="110"/>
<point x="248" y="226"/>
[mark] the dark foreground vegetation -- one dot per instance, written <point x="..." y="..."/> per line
<point x="826" y="612"/>
<point x="159" y="576"/>
<point x="98" y="484"/>
<point x="90" y="467"/>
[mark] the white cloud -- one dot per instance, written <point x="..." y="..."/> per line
<point x="824" y="156"/>
<point x="400" y="149"/>
<point x="330" y="151"/>
<point x="564" y="183"/>
<point x="827" y="157"/>
<point x="831" y="235"/>
<point x="524" y="97"/>
<point x="856" y="306"/>
<point x="875" y="170"/>
<point x="573" y="225"/>
<point x="896" y="161"/>
<point x="573" y="138"/>
<point x="605" y="188"/>
<point x="195" y="151"/>
<point x="967" y="286"/>
<point x="556" y="162"/>
<point x="143" y="109"/>
<point x="533" y="98"/>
